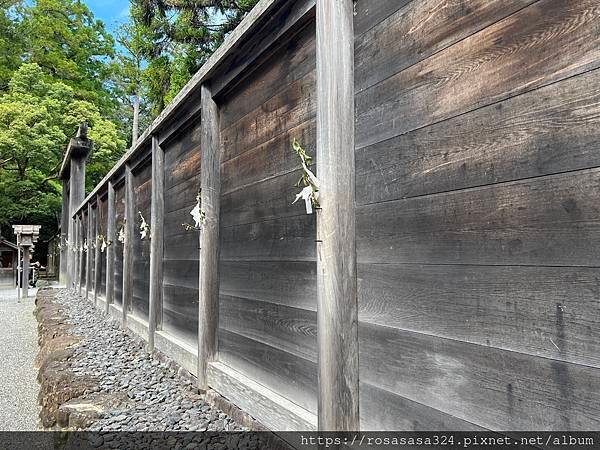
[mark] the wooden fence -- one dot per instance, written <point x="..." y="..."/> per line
<point x="450" y="278"/>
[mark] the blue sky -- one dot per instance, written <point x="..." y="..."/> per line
<point x="112" y="12"/>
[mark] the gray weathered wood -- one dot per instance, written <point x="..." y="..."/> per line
<point x="336" y="250"/>
<point x="157" y="240"/>
<point x="80" y="254"/>
<point x="110" y="250"/>
<point x="97" y="255"/>
<point x="128" y="245"/>
<point x="64" y="233"/>
<point x="485" y="68"/>
<point x="88" y="265"/>
<point x="208" y="308"/>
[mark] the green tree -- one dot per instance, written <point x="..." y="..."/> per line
<point x="37" y="118"/>
<point x="180" y="36"/>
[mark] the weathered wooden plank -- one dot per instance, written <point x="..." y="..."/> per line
<point x="274" y="73"/>
<point x="180" y="312"/>
<point x="183" y="246"/>
<point x="368" y="13"/>
<point x="102" y="227"/>
<point x="269" y="160"/>
<point x="111" y="236"/>
<point x="266" y="405"/>
<point x="549" y="220"/>
<point x="128" y="245"/>
<point x="381" y="410"/>
<point x="543" y="311"/>
<point x="292" y="284"/>
<point x="426" y="27"/>
<point x="281" y="112"/>
<point x="495" y="389"/>
<point x="552" y="129"/>
<point x="181" y="171"/>
<point x="157" y="240"/>
<point x="545" y="42"/>
<point x="97" y="259"/>
<point x="269" y="199"/>
<point x="119" y="246"/>
<point x="208" y="307"/>
<point x="336" y="243"/>
<point x="89" y="254"/>
<point x="288" y="375"/>
<point x="181" y="272"/>
<point x="288" y="329"/>
<point x="142" y="182"/>
<point x="288" y="238"/>
<point x="187" y="115"/>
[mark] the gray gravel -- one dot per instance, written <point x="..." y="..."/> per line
<point x="18" y="347"/>
<point x="159" y="400"/>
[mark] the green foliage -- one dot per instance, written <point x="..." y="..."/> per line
<point x="179" y="37"/>
<point x="38" y="115"/>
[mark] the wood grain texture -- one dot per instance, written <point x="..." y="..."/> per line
<point x="288" y="329"/>
<point x="369" y="13"/>
<point x="111" y="236"/>
<point x="288" y="238"/>
<point x="266" y="405"/>
<point x="180" y="311"/>
<point x="498" y="389"/>
<point x="508" y="224"/>
<point x="103" y="229"/>
<point x="119" y="246"/>
<point x="522" y="52"/>
<point x="64" y="232"/>
<point x="142" y="182"/>
<point x="426" y="27"/>
<point x="288" y="375"/>
<point x="381" y="410"/>
<point x="157" y="240"/>
<point x="336" y="230"/>
<point x="130" y="230"/>
<point x="286" y="283"/>
<point x="97" y="260"/>
<point x="549" y="130"/>
<point x="284" y="110"/>
<point x="89" y="254"/>
<point x="539" y="311"/>
<point x="208" y="307"/>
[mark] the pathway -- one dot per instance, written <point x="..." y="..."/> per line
<point x="18" y="348"/>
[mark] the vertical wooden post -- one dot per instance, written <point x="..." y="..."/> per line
<point x="97" y="274"/>
<point x="80" y="253"/>
<point x="208" y="317"/>
<point x="128" y="245"/>
<point x="337" y="310"/>
<point x="111" y="225"/>
<point x="88" y="261"/>
<point x="25" y="274"/>
<point x="64" y="232"/>
<point x="75" y="239"/>
<point x="156" y="240"/>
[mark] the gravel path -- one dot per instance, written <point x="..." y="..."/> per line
<point x="158" y="400"/>
<point x="18" y="348"/>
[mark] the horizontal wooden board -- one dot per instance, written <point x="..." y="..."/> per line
<point x="552" y="220"/>
<point x="290" y="376"/>
<point x="182" y="273"/>
<point x="368" y="13"/>
<point x="280" y="113"/>
<point x="288" y="238"/>
<point x="292" y="284"/>
<point x="183" y="246"/>
<point x="543" y="311"/>
<point x="292" y="61"/>
<point x="543" y="43"/>
<point x="381" y="410"/>
<point x="270" y="199"/>
<point x="180" y="311"/>
<point x="292" y="330"/>
<point x="496" y="389"/>
<point x="426" y="27"/>
<point x="271" y="159"/>
<point x="552" y="129"/>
